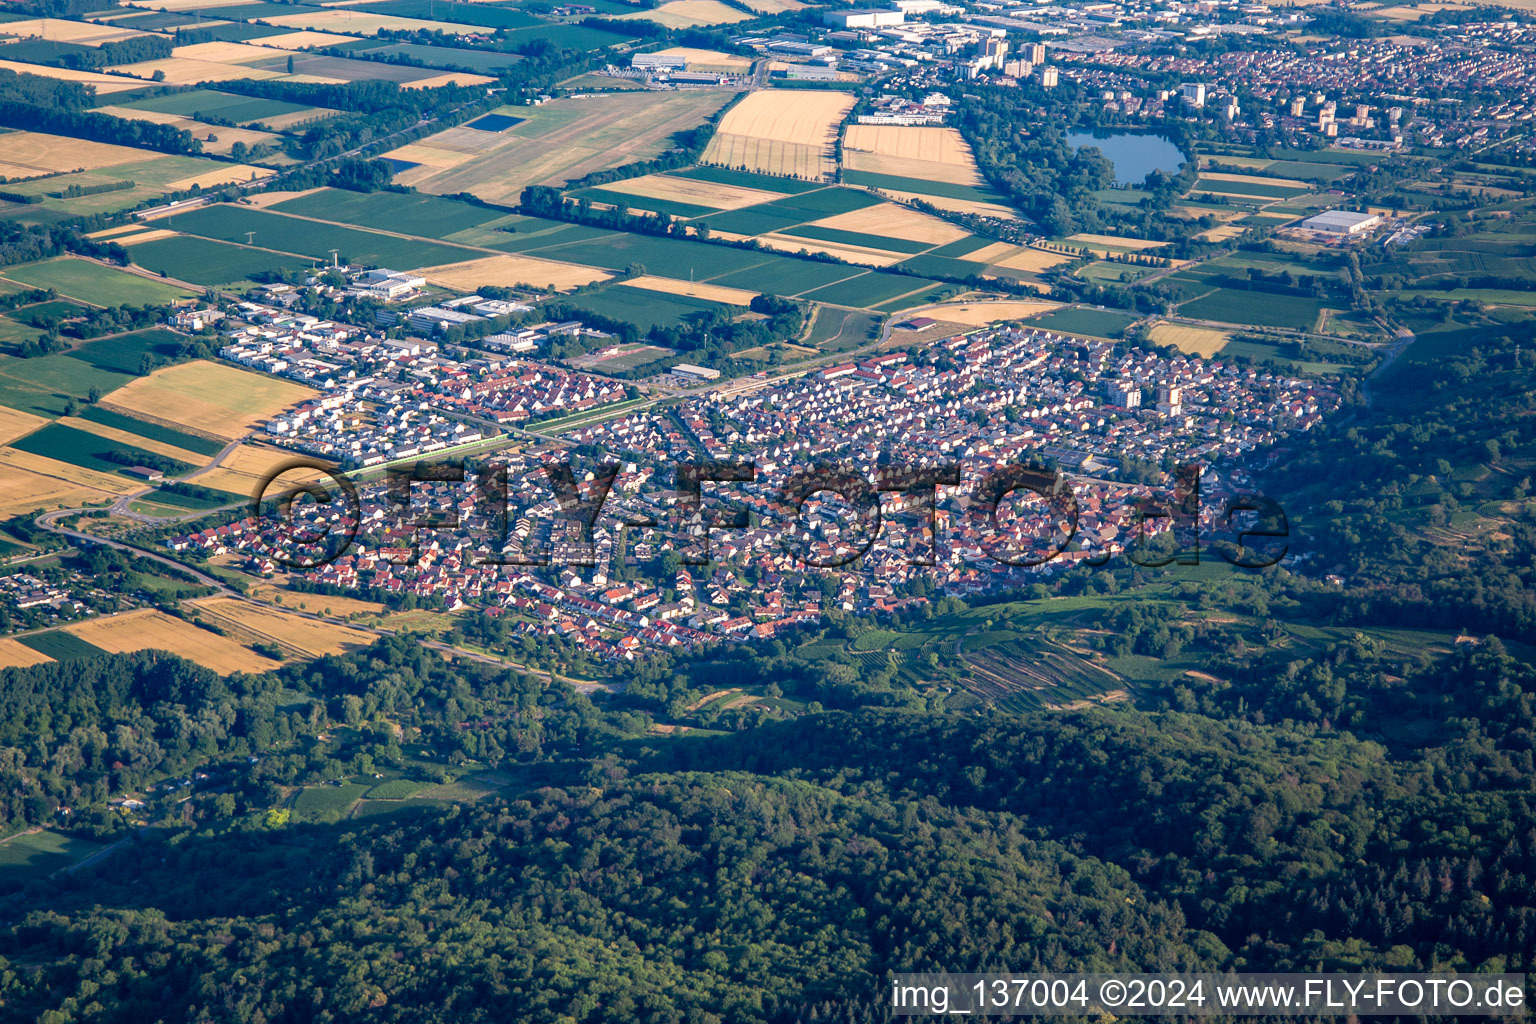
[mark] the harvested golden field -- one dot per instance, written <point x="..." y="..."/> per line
<point x="712" y="292"/>
<point x="221" y="400"/>
<point x="79" y="33"/>
<point x="14" y="424"/>
<point x="509" y="271"/>
<point x="223" y="53"/>
<point x="892" y="220"/>
<point x="910" y="151"/>
<point x="146" y="629"/>
<point x="1026" y="259"/>
<point x="181" y="5"/>
<point x="708" y="60"/>
<point x="1195" y="212"/>
<point x="121" y="229"/>
<point x="306" y="40"/>
<point x="559" y="140"/>
<point x="318" y="603"/>
<point x="688" y="190"/>
<point x="1255" y="179"/>
<point x="1222" y="233"/>
<point x="980" y="314"/>
<point x="68" y="473"/>
<point x="774" y="6"/>
<point x="27" y="154"/>
<point x="14" y="654"/>
<point x="299" y="636"/>
<point x="152" y="235"/>
<point x="103" y="84"/>
<point x="243" y="470"/>
<point x="851" y="253"/>
<point x="134" y="440"/>
<point x="1195" y="341"/>
<point x="24" y="489"/>
<point x="980" y="209"/>
<point x="224" y="137"/>
<point x="689" y="14"/>
<point x="790" y="132"/>
<point x="224" y="174"/>
<point x="362" y="23"/>
<point x="184" y="71"/>
<point x="1116" y="241"/>
<point x="448" y="78"/>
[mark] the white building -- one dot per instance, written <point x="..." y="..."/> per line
<point x="1342" y="222"/>
<point x="863" y="18"/>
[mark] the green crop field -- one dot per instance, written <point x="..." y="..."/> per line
<point x="528" y="234"/>
<point x="924" y="186"/>
<point x="962" y="246"/>
<point x="395" y="789"/>
<point x="785" y="275"/>
<point x="96" y="284"/>
<point x="670" y="207"/>
<point x="484" y="62"/>
<point x="1261" y="309"/>
<point x="61" y="646"/>
<point x="669" y="257"/>
<point x="415" y="214"/>
<point x="43" y="384"/>
<point x="207" y="262"/>
<point x="124" y="352"/>
<point x="13" y="335"/>
<point x="223" y="105"/>
<point x="1095" y="323"/>
<point x="835" y="329"/>
<point x="869" y="290"/>
<point x="748" y="179"/>
<point x="856" y="238"/>
<point x="79" y="448"/>
<point x="326" y="803"/>
<point x="312" y="238"/>
<point x="1256" y="189"/>
<point x="152" y="431"/>
<point x="644" y="309"/>
<point x="35" y="855"/>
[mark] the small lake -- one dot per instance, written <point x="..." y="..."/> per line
<point x="1134" y="155"/>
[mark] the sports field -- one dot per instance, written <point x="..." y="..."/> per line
<point x="91" y="282"/>
<point x="147" y="629"/>
<point x="559" y="140"/>
<point x="1195" y="341"/>
<point x="210" y="397"/>
<point x="510" y="271"/>
<point x="788" y="132"/>
<point x="301" y="636"/>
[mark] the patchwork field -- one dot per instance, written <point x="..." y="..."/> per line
<point x="31" y="483"/>
<point x="300" y="636"/>
<point x="218" y="140"/>
<point x="558" y="141"/>
<point x="204" y="261"/>
<point x="299" y="235"/>
<point x="788" y="132"/>
<point x="209" y="397"/>
<point x="510" y="271"/>
<point x="1196" y="341"/>
<point x="147" y="629"/>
